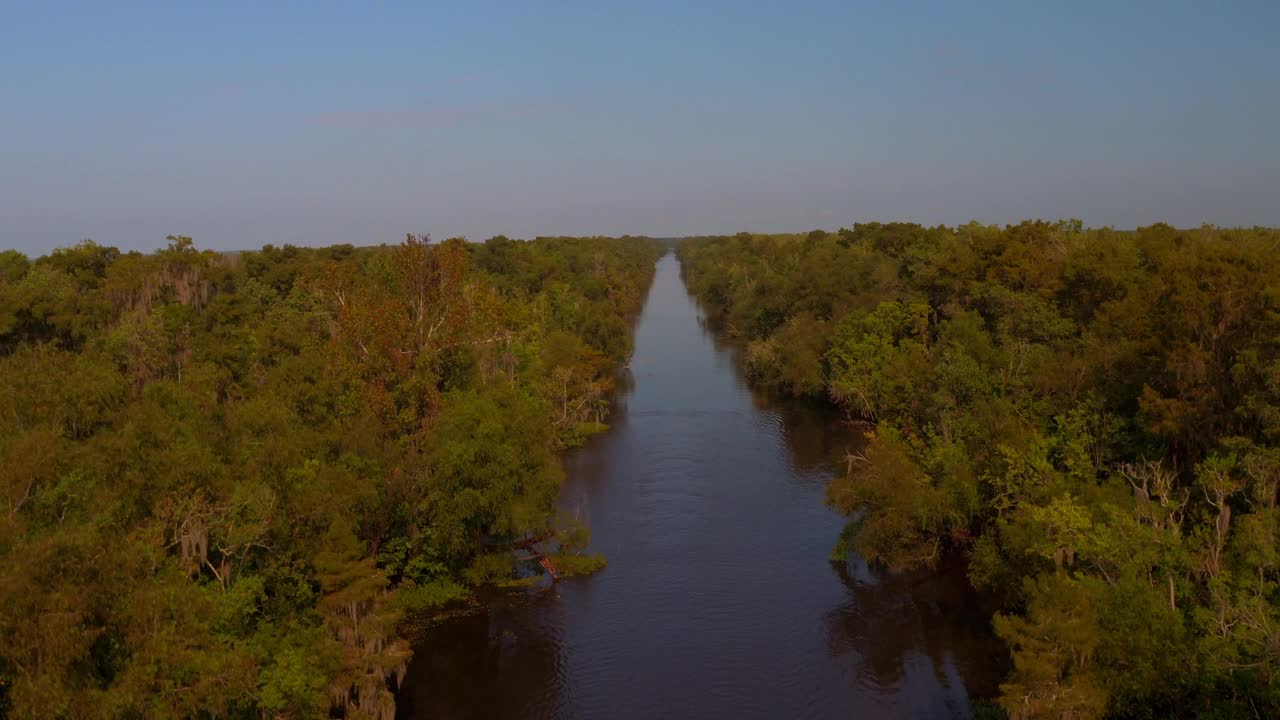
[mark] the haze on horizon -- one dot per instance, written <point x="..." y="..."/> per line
<point x="317" y="123"/>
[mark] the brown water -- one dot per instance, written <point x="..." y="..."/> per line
<point x="719" y="600"/>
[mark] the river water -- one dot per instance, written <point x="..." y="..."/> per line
<point x="719" y="599"/>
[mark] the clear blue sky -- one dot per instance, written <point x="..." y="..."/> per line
<point x="314" y="123"/>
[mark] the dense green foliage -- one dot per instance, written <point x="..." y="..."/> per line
<point x="1092" y="417"/>
<point x="227" y="478"/>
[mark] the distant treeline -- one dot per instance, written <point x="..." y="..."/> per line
<point x="227" y="479"/>
<point x="1091" y="417"/>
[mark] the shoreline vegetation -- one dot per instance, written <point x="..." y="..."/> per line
<point x="229" y="478"/>
<point x="235" y="484"/>
<point x="1090" y="416"/>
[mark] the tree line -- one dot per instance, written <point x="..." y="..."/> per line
<point x="229" y="478"/>
<point x="1089" y="417"/>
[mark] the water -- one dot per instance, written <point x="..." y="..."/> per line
<point x="719" y="599"/>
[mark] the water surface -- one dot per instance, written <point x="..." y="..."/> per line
<point x="719" y="599"/>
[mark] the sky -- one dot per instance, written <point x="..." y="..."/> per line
<point x="314" y="123"/>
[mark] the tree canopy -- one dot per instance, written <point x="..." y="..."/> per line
<point x="227" y="478"/>
<point x="1090" y="416"/>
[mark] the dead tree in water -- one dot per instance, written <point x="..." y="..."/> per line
<point x="530" y="545"/>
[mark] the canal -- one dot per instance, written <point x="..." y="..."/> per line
<point x="719" y="600"/>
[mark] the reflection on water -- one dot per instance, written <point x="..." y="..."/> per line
<point x="718" y="600"/>
<point x="922" y="634"/>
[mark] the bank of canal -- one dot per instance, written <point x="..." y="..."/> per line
<point x="718" y="600"/>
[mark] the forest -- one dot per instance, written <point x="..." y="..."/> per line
<point x="1089" y="418"/>
<point x="232" y="481"/>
